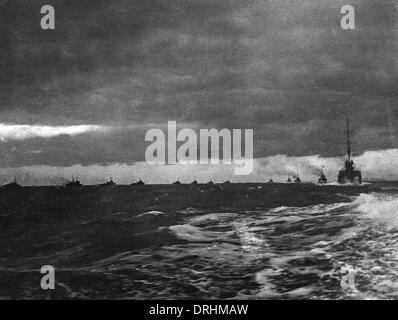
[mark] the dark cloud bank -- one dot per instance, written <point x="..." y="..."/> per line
<point x="284" y="68"/>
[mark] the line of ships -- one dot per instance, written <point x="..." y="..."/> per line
<point x="348" y="175"/>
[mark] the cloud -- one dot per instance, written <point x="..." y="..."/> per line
<point x="22" y="132"/>
<point x="283" y="68"/>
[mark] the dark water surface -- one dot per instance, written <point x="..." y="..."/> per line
<point x="244" y="241"/>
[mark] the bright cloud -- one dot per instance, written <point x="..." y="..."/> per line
<point x="23" y="132"/>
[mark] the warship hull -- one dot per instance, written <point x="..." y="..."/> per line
<point x="346" y="177"/>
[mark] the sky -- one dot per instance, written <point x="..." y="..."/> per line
<point x="80" y="98"/>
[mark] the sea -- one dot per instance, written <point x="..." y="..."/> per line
<point x="244" y="241"/>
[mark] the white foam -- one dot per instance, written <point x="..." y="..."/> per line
<point x="310" y="210"/>
<point x="215" y="217"/>
<point x="188" y="232"/>
<point x="151" y="213"/>
<point x="193" y="233"/>
<point x="382" y="208"/>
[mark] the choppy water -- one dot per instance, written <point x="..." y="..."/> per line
<point x="283" y="252"/>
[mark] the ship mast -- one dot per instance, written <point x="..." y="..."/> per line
<point x="348" y="140"/>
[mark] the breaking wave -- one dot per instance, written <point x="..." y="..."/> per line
<point x="382" y="208"/>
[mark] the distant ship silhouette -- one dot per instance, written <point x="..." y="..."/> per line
<point x="12" y="185"/>
<point x="73" y="183"/>
<point x="109" y="183"/>
<point x="297" y="180"/>
<point x="139" y="182"/>
<point x="349" y="174"/>
<point x="322" y="179"/>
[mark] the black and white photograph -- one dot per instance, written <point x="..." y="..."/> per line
<point x="223" y="150"/>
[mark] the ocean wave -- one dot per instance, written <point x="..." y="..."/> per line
<point x="294" y="245"/>
<point x="151" y="213"/>
<point x="336" y="184"/>
<point x="310" y="210"/>
<point x="196" y="234"/>
<point x="379" y="207"/>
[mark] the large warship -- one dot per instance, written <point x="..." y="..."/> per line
<point x="349" y="174"/>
